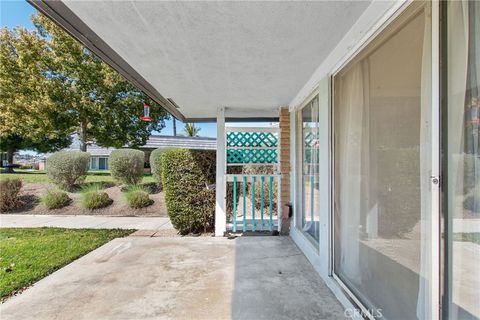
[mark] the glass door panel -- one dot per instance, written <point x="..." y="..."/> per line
<point x="382" y="163"/>
<point x="462" y="147"/>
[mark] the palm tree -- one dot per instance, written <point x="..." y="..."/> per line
<point x="190" y="130"/>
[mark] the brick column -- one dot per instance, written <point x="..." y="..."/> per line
<point x="284" y="125"/>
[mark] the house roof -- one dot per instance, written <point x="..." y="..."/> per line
<point x="197" y="143"/>
<point x="248" y="56"/>
<point x="157" y="141"/>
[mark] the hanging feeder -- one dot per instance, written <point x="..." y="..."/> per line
<point x="146" y="112"/>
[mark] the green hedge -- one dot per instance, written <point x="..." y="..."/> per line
<point x="155" y="164"/>
<point x="185" y="176"/>
<point x="126" y="165"/>
<point x="65" y="168"/>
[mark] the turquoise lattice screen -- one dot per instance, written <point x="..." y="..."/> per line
<point x="251" y="147"/>
<point x="311" y="139"/>
<point x="251" y="139"/>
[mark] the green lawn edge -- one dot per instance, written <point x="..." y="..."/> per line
<point x="29" y="254"/>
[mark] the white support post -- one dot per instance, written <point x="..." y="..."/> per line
<point x="279" y="179"/>
<point x="279" y="201"/>
<point x="221" y="186"/>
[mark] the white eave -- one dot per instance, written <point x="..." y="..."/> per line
<point x="250" y="57"/>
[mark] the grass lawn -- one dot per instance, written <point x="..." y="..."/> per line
<point x="29" y="254"/>
<point x="35" y="176"/>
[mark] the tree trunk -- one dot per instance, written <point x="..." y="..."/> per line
<point x="174" y="127"/>
<point x="10" y="160"/>
<point x="83" y="136"/>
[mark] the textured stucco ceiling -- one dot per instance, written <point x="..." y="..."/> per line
<point x="203" y="55"/>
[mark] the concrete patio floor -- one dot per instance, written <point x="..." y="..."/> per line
<point x="182" y="278"/>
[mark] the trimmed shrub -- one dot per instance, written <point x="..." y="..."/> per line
<point x="126" y="165"/>
<point x="66" y="168"/>
<point x="55" y="199"/>
<point x="9" y="190"/>
<point x="94" y="198"/>
<point x="137" y="197"/>
<point x="155" y="164"/>
<point x="185" y="175"/>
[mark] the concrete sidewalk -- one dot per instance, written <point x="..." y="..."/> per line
<point x="84" y="222"/>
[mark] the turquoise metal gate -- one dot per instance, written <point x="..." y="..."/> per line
<point x="253" y="179"/>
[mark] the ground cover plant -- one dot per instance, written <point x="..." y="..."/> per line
<point x="32" y="193"/>
<point x="137" y="197"/>
<point x="93" y="197"/>
<point x="56" y="199"/>
<point x="29" y="254"/>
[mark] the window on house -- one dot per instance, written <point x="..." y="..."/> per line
<point x="308" y="217"/>
<point x="93" y="163"/>
<point x="382" y="158"/>
<point x="102" y="163"/>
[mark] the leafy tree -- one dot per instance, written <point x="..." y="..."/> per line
<point x="28" y="117"/>
<point x="103" y="107"/>
<point x="191" y="130"/>
<point x="53" y="87"/>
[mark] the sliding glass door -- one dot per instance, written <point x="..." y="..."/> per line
<point x="462" y="167"/>
<point x="382" y="170"/>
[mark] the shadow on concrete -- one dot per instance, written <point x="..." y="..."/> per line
<point x="274" y="280"/>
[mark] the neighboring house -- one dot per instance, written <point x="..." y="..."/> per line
<point x="378" y="145"/>
<point x="29" y="160"/>
<point x="99" y="155"/>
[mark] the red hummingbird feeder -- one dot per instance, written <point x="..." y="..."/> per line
<point x="146" y="112"/>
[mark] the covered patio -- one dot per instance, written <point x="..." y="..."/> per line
<point x="182" y="278"/>
<point x="376" y="148"/>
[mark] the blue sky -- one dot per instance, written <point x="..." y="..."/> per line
<point x="17" y="13"/>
